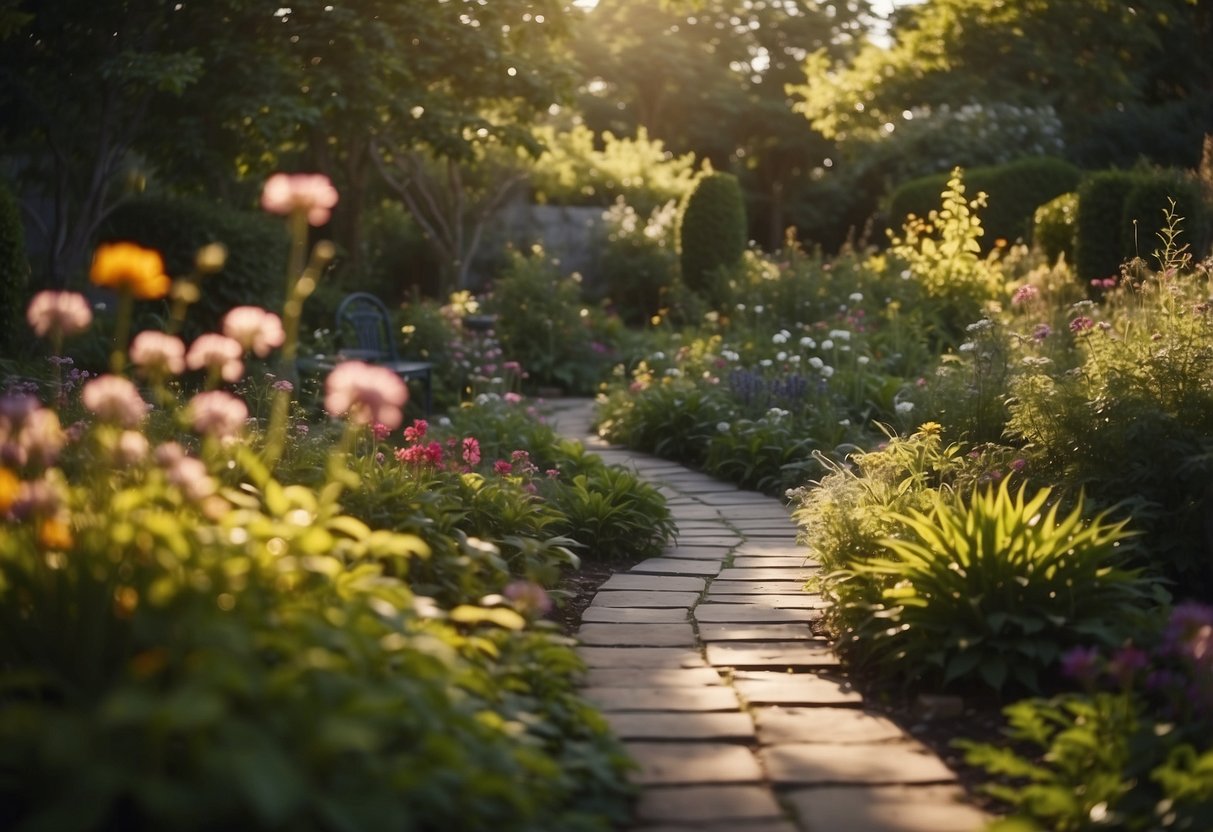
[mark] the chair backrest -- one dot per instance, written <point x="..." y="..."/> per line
<point x="364" y="328"/>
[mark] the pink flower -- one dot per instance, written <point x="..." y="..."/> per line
<point x="1024" y="294"/>
<point x="158" y="353"/>
<point x="552" y="473"/>
<point x="217" y="413"/>
<point x="114" y="399"/>
<point x="380" y="431"/>
<point x="512" y="398"/>
<point x="365" y="393"/>
<point x="433" y="453"/>
<point x="185" y="472"/>
<point x="471" y="451"/>
<point x="502" y="468"/>
<point x="254" y="328"/>
<point x="217" y="353"/>
<point x="42" y="437"/>
<point x="528" y="597"/>
<point x="312" y="193"/>
<point x="131" y="449"/>
<point x="1081" y="324"/>
<point x="416" y="431"/>
<point x="58" y="313"/>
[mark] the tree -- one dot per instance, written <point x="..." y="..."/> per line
<point x="1083" y="58"/>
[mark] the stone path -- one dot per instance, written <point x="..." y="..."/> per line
<point x="704" y="664"/>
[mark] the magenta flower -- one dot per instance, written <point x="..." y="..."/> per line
<point x="254" y="328"/>
<point x="114" y="399"/>
<point x="217" y="413"/>
<point x="380" y="431"/>
<point x="365" y="394"/>
<point x="158" y="353"/>
<point x="311" y="193"/>
<point x="502" y="468"/>
<point x="58" y="314"/>
<point x="218" y="354"/>
<point x="1081" y="324"/>
<point x="471" y="451"/>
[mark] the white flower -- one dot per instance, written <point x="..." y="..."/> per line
<point x="723" y="427"/>
<point x="967" y="346"/>
<point x="779" y="338"/>
<point x="766" y="362"/>
<point x="905" y="275"/>
<point x="827" y="371"/>
<point x="979" y="326"/>
<point x="673" y="371"/>
<point x="781" y="356"/>
<point x="856" y="297"/>
<point x="808" y="343"/>
<point x="760" y="309"/>
<point x="863" y="360"/>
<point x="840" y="334"/>
<point x="793" y="359"/>
<point x="658" y="356"/>
<point x="816" y="363"/>
<point x="903" y="408"/>
<point x="846" y="423"/>
<point x="827" y="344"/>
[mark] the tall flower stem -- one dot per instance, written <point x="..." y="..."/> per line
<point x="122" y="331"/>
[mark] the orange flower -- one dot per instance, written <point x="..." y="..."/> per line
<point x="10" y="487"/>
<point x="128" y="267"/>
<point x="55" y="535"/>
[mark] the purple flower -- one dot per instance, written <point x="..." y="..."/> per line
<point x="1081" y="664"/>
<point x="1041" y="332"/>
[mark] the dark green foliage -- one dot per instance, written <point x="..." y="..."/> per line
<point x="1054" y="227"/>
<point x="1015" y="190"/>
<point x="177" y="227"/>
<point x="1145" y="207"/>
<point x="14" y="272"/>
<point x="711" y="231"/>
<point x="399" y="263"/>
<point x="1120" y="214"/>
<point x="1099" y="248"/>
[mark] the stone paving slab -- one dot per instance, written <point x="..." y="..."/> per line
<point x="630" y="677"/>
<point x="726" y="826"/>
<point x="637" y="635"/>
<point x="740" y="498"/>
<point x="716" y="553"/>
<point x="728" y="541"/>
<point x="725" y="726"/>
<point x="798" y="601"/>
<point x="753" y="614"/>
<point x="660" y="583"/>
<point x="703" y="698"/>
<point x="874" y="764"/>
<point x="804" y="689"/>
<point x="696" y="511"/>
<point x="771" y="548"/>
<point x="825" y="725"/>
<point x="676" y="566"/>
<point x="755" y="632"/>
<point x="775" y="654"/>
<point x="635" y="615"/>
<point x="767" y="573"/>
<point x="687" y="527"/>
<point x="644" y="598"/>
<point x="693" y="763"/>
<point x="886" y="809"/>
<point x="696" y="804"/>
<point x="722" y="587"/>
<point x="768" y="561"/>
<point x="658" y="657"/>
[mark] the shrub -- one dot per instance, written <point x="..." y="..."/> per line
<point x="711" y="231"/>
<point x="1099" y="244"/>
<point x="990" y="589"/>
<point x="1055" y="225"/>
<point x="178" y="226"/>
<point x="1013" y="191"/>
<point x="543" y="323"/>
<point x="638" y="262"/>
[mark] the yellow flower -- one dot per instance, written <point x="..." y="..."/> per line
<point x="129" y="267"/>
<point x="929" y="429"/>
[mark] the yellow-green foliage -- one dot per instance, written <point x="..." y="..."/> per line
<point x="574" y="170"/>
<point x="942" y="252"/>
